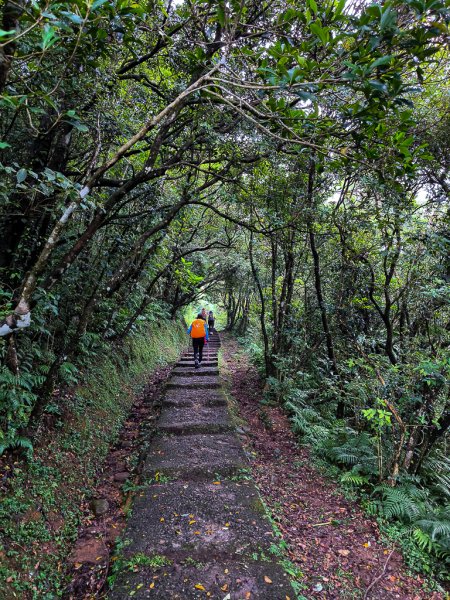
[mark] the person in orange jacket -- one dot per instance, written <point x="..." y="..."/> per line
<point x="199" y="333"/>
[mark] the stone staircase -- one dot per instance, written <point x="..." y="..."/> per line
<point x="198" y="530"/>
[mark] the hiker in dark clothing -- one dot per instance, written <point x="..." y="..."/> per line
<point x="199" y="334"/>
<point x="211" y="321"/>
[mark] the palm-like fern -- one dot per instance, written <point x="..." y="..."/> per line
<point x="436" y="469"/>
<point x="429" y="524"/>
<point x="307" y="423"/>
<point x="349" y="448"/>
<point x="354" y="478"/>
<point x="399" y="503"/>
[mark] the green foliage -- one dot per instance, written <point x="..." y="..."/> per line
<point x="17" y="397"/>
<point x="46" y="489"/>
<point x="347" y="448"/>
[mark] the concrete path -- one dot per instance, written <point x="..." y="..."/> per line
<point x="198" y="529"/>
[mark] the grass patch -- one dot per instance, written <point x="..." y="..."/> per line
<point x="143" y="560"/>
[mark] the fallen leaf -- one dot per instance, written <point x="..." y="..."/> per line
<point x="217" y="482"/>
<point x="344" y="552"/>
<point x="226" y="571"/>
<point x="162" y="519"/>
<point x="152" y="585"/>
<point x="267" y="579"/>
<point x="192" y="522"/>
<point x="199" y="586"/>
<point x="224" y="588"/>
<point x="248" y="595"/>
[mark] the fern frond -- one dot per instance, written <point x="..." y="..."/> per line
<point x="422" y="539"/>
<point x="397" y="503"/>
<point x="352" y="478"/>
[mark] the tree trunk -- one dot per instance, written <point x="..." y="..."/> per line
<point x="267" y="355"/>
<point x="319" y="292"/>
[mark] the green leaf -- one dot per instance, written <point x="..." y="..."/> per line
<point x="81" y="127"/>
<point x="4" y="145"/>
<point x="221" y="14"/>
<point x="313" y="6"/>
<point x="339" y="8"/>
<point x="387" y="18"/>
<point x="378" y="85"/>
<point x="72" y="17"/>
<point x="21" y="175"/>
<point x="97" y="4"/>
<point x="383" y="60"/>
<point x="49" y="37"/>
<point x="321" y="32"/>
<point x="4" y="33"/>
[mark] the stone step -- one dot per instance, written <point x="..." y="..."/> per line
<point x="202" y="371"/>
<point x="185" y="364"/>
<point x="205" y="354"/>
<point x="189" y="397"/>
<point x="205" y="348"/>
<point x="194" y="419"/>
<point x="209" y="383"/>
<point x="228" y="579"/>
<point x="190" y="356"/>
<point x="201" y="456"/>
<point x="200" y="519"/>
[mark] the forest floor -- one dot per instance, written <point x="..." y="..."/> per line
<point x="338" y="548"/>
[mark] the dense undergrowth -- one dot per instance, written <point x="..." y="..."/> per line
<point x="43" y="495"/>
<point x="414" y="513"/>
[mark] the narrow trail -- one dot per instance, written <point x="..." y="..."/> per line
<point x="198" y="528"/>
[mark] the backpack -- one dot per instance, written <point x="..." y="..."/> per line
<point x="198" y="329"/>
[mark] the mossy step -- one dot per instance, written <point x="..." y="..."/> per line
<point x="199" y="456"/>
<point x="185" y="364"/>
<point x="194" y="419"/>
<point x="202" y="371"/>
<point x="190" y="356"/>
<point x="205" y="351"/>
<point x="193" y="580"/>
<point x="190" y="397"/>
<point x="209" y="383"/>
<point x="206" y="520"/>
